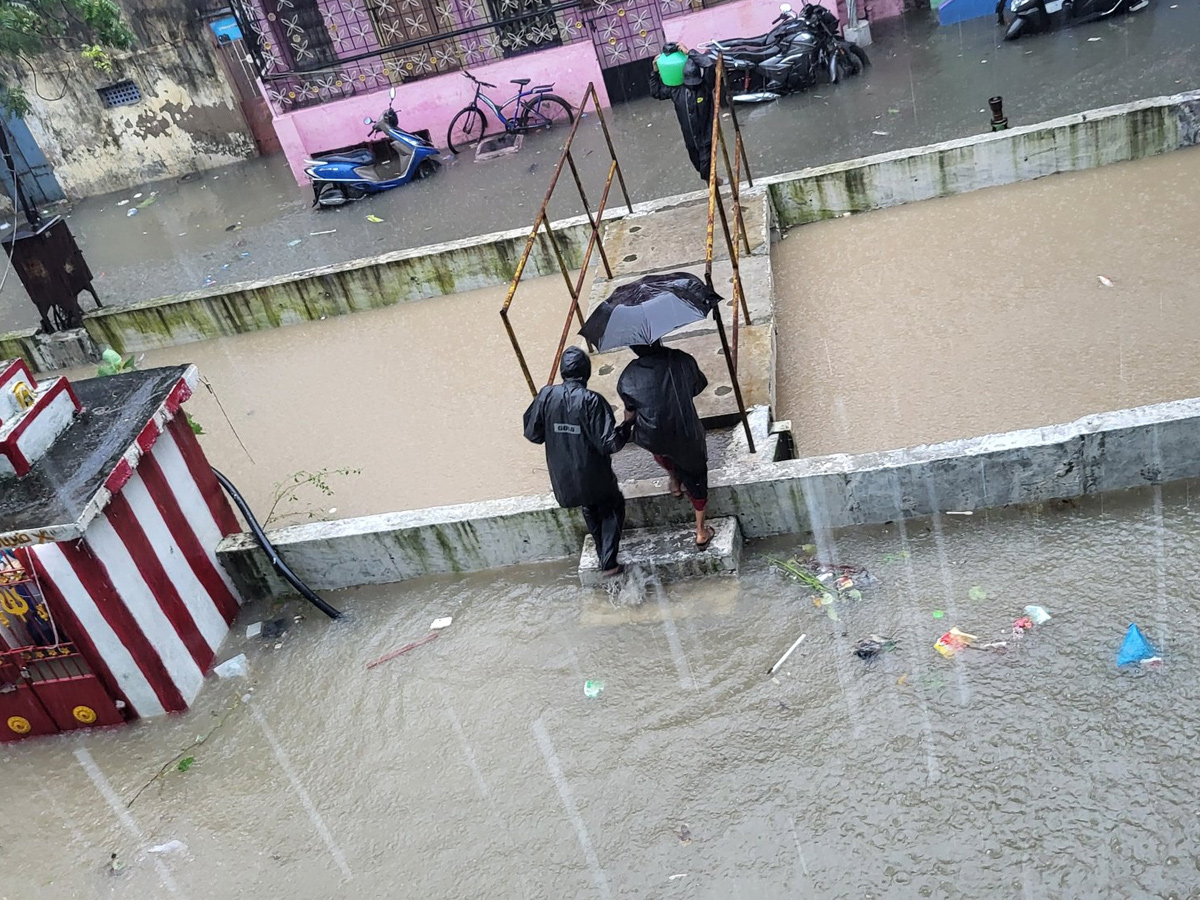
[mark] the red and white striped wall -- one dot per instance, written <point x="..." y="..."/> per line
<point x="141" y="590"/>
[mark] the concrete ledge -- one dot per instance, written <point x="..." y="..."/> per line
<point x="1068" y="144"/>
<point x="670" y="552"/>
<point x="50" y="352"/>
<point x="1107" y="452"/>
<point x="1071" y="143"/>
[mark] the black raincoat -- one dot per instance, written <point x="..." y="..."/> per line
<point x="659" y="386"/>
<point x="694" y="109"/>
<point x="578" y="429"/>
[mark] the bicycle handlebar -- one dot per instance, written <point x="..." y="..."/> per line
<point x="467" y="74"/>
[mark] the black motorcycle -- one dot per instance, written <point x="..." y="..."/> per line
<point x="1031" y="16"/>
<point x="795" y="54"/>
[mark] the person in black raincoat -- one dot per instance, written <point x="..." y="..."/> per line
<point x="693" y="102"/>
<point x="659" y="390"/>
<point x="580" y="434"/>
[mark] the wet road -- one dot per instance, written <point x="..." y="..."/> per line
<point x="927" y="84"/>
<point x="476" y="767"/>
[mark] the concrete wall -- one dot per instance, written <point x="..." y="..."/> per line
<point x="1107" y="452"/>
<point x="332" y="290"/>
<point x="188" y="118"/>
<point x="1068" y="144"/>
<point x="1072" y="143"/>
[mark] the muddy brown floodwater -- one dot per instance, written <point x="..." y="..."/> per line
<point x="425" y="398"/>
<point x="475" y="766"/>
<point x="985" y="312"/>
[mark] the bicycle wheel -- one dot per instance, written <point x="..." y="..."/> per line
<point x="467" y="128"/>
<point x="545" y="111"/>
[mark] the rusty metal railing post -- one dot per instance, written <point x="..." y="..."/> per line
<point x="595" y="239"/>
<point x="737" y="388"/>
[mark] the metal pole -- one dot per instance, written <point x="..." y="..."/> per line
<point x="737" y="388"/>
<point x="591" y="91"/>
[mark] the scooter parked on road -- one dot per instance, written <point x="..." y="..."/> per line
<point x="341" y="177"/>
<point x="794" y="55"/>
<point x="1032" y="16"/>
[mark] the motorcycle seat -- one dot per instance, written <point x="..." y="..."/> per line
<point x="521" y="81"/>
<point x="752" y="54"/>
<point x="358" y="157"/>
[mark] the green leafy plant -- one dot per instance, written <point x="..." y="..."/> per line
<point x="29" y="28"/>
<point x="186" y="763"/>
<point x="111" y="363"/>
<point x="291" y="491"/>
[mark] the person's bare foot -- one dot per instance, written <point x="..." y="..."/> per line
<point x="704" y="538"/>
<point x="674" y="486"/>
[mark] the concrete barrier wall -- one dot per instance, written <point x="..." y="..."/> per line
<point x="364" y="284"/>
<point x="1107" y="452"/>
<point x="1072" y="143"/>
<point x="1069" y="144"/>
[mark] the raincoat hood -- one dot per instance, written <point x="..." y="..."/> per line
<point x="575" y="364"/>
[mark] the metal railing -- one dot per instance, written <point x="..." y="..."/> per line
<point x="542" y="223"/>
<point x="733" y="239"/>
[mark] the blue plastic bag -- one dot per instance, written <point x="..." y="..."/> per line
<point x="1134" y="648"/>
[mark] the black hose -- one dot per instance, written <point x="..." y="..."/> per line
<point x="280" y="566"/>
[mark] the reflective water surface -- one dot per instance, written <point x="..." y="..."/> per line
<point x="476" y="766"/>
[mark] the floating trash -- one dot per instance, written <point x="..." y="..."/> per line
<point x="873" y="645"/>
<point x="977" y="593"/>
<point x="1038" y="614"/>
<point x="950" y="643"/>
<point x="593" y="688"/>
<point x="1136" y="649"/>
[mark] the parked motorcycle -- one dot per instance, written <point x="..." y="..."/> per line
<point x="1031" y="16"/>
<point x="341" y="177"/>
<point x="795" y="54"/>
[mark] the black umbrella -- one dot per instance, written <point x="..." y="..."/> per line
<point x="645" y="310"/>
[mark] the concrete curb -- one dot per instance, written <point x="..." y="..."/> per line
<point x="1106" y="452"/>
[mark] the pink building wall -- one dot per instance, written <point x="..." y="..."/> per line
<point x="432" y="102"/>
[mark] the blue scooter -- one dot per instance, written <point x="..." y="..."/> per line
<point x="341" y="177"/>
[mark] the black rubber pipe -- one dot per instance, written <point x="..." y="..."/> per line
<point x="263" y="541"/>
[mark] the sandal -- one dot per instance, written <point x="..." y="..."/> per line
<point x="711" y="534"/>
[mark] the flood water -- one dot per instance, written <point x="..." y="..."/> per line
<point x="985" y="312"/>
<point x="425" y="398"/>
<point x="476" y="766"/>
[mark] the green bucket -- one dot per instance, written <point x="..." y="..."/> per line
<point x="670" y="68"/>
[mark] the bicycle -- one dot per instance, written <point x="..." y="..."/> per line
<point x="535" y="108"/>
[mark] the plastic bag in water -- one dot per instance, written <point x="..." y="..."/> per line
<point x="1135" y="647"/>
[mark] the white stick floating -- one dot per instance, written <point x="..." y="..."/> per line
<point x="783" y="659"/>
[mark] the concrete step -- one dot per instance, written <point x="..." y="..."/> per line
<point x="756" y="370"/>
<point x="670" y="552"/>
<point x="673" y="238"/>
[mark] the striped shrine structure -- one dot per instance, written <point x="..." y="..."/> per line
<point x="112" y="602"/>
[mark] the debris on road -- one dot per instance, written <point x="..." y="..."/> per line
<point x="783" y="659"/>
<point x="237" y="667"/>
<point x="443" y="622"/>
<point x="1107" y="282"/>
<point x="1037" y="614"/>
<point x="293" y="243"/>
<point x="593" y="687"/>
<point x="873" y="645"/>
<point x="132" y="212"/>
<point x="319" y="233"/>
<point x="404" y="649"/>
<point x="374" y="218"/>
<point x="1136" y="649"/>
<point x="168" y="847"/>
<point x="950" y="643"/>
